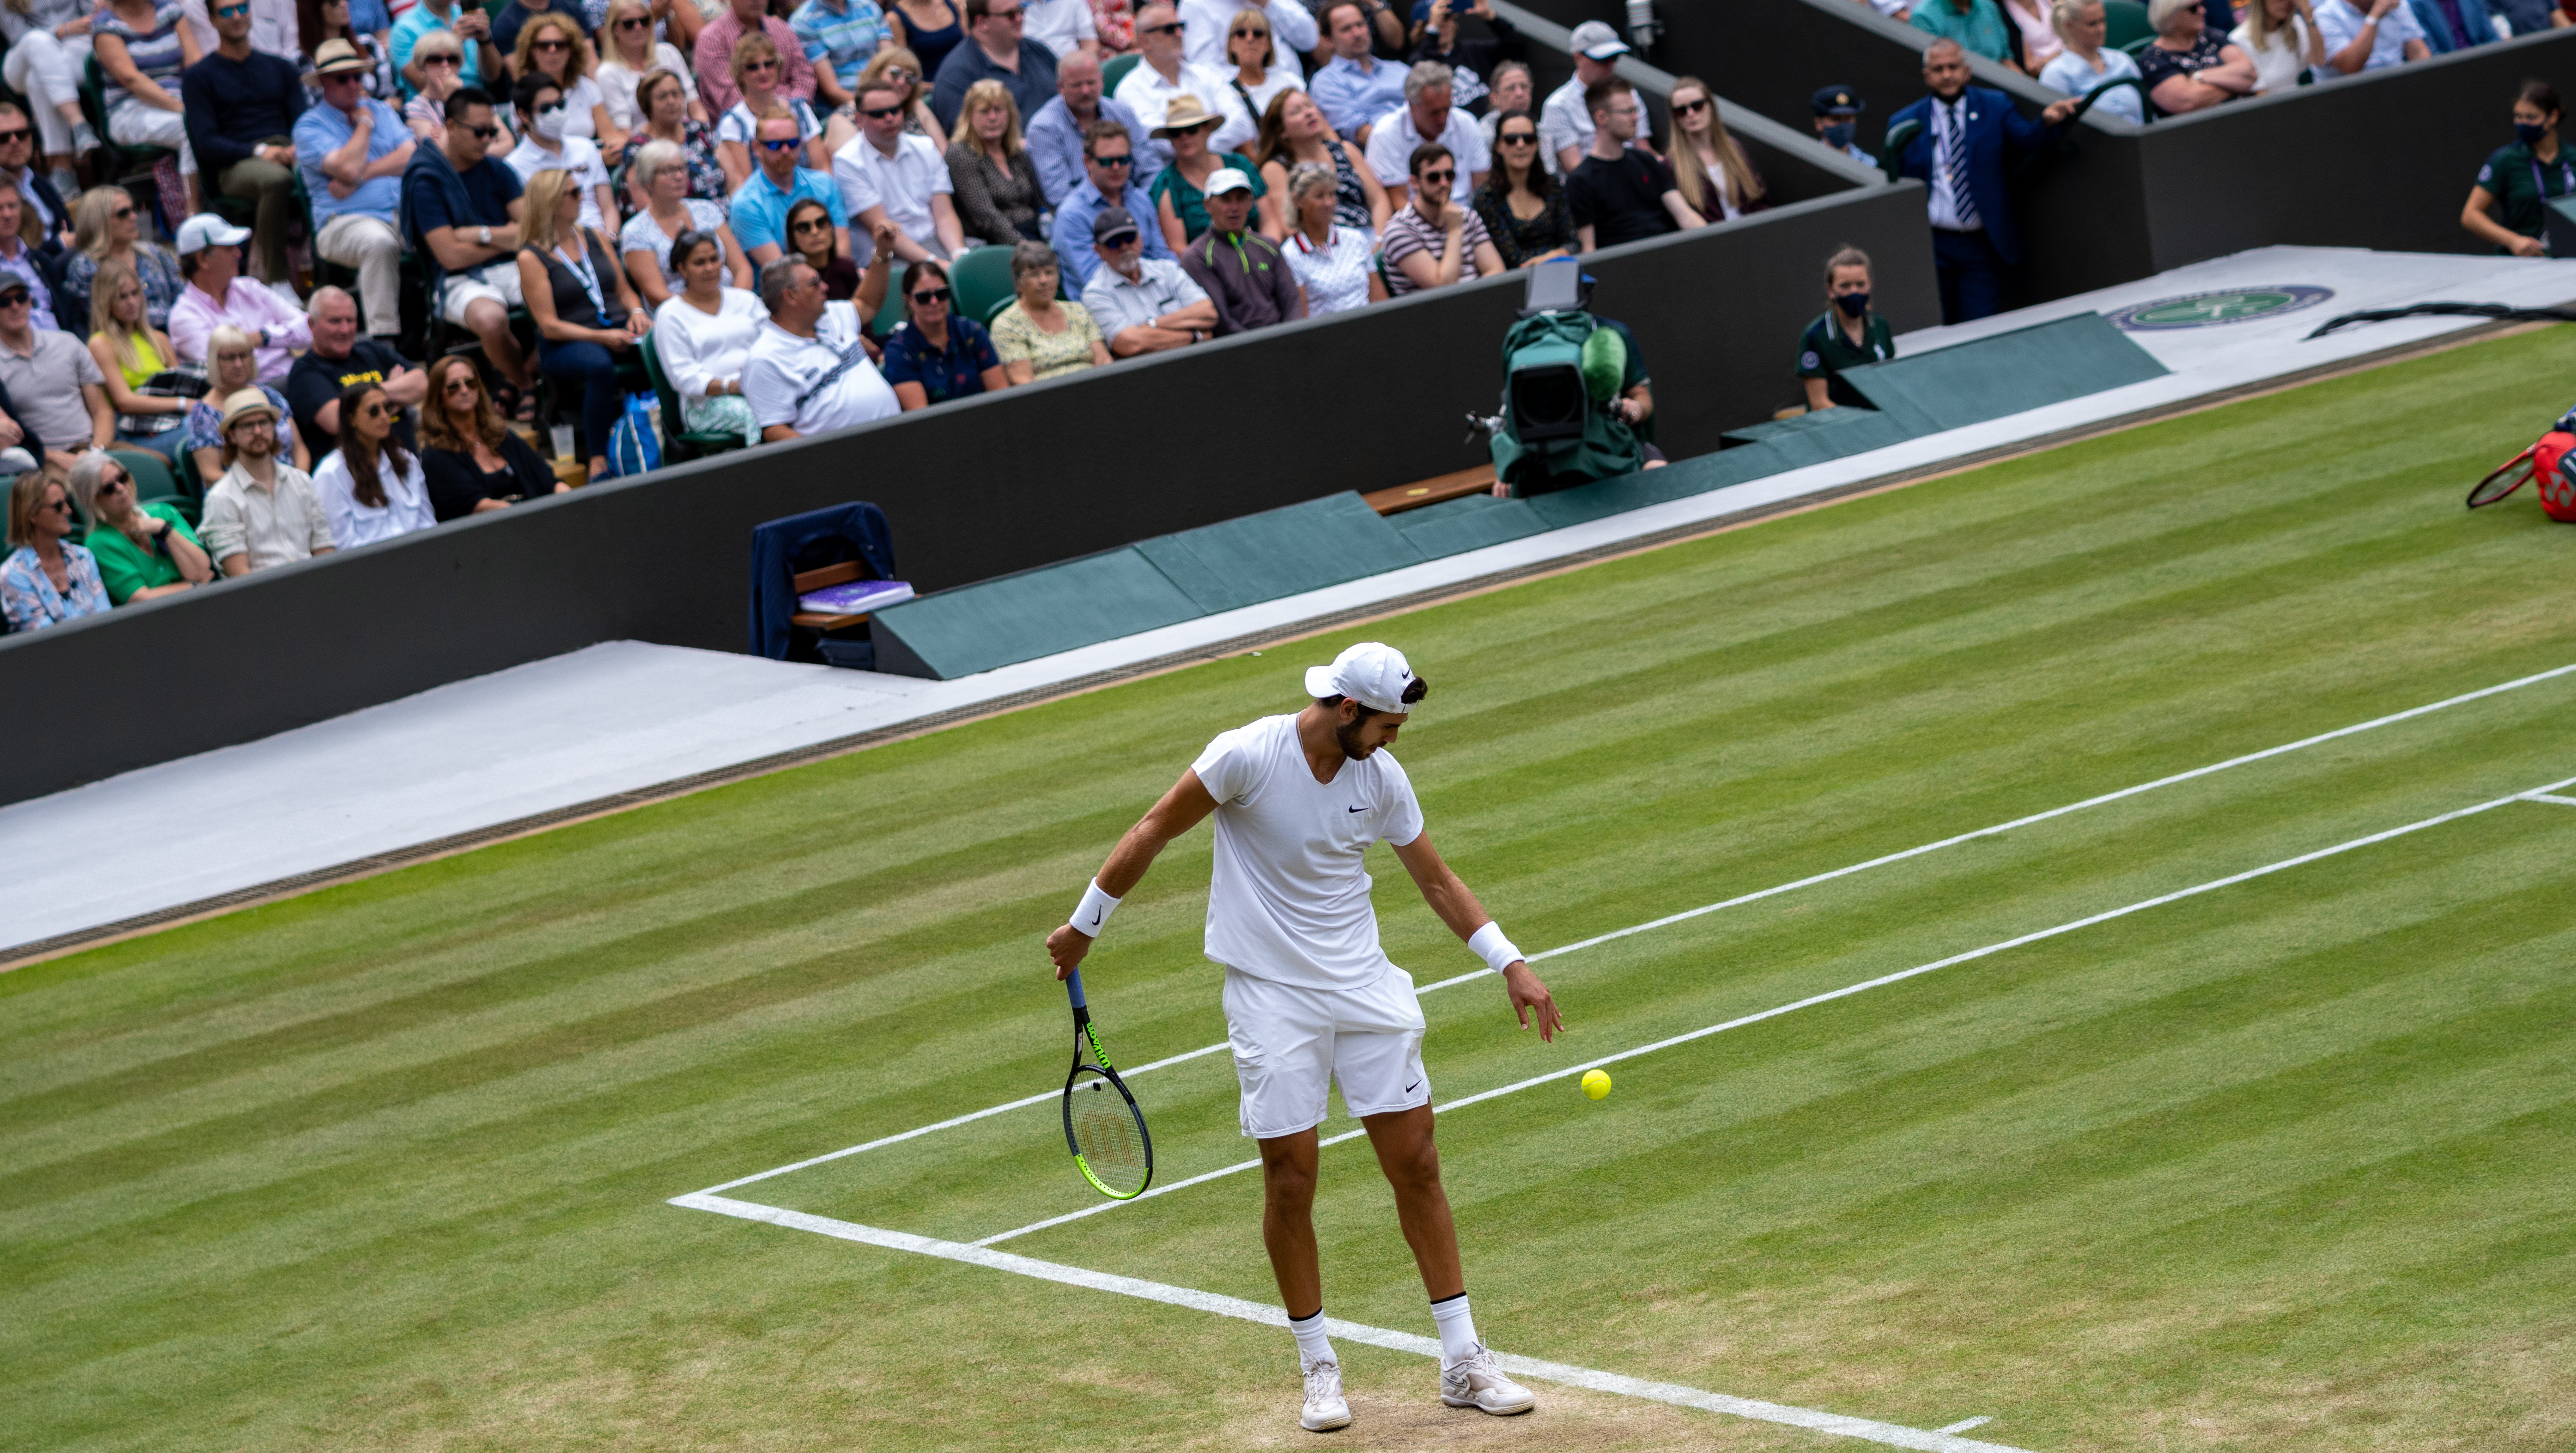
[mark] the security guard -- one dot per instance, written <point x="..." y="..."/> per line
<point x="1846" y="335"/>
<point x="1837" y="111"/>
<point x="2518" y="179"/>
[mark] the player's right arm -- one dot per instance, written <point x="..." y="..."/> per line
<point x="1184" y="807"/>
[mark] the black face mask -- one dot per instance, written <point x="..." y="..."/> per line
<point x="1840" y="133"/>
<point x="1852" y="304"/>
<point x="2529" y="135"/>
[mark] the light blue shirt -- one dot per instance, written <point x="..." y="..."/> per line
<point x="323" y="129"/>
<point x="1352" y="97"/>
<point x="417" y="22"/>
<point x="759" y="210"/>
<point x="1072" y="235"/>
<point x="1055" y="144"/>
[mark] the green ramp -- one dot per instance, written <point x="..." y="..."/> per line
<point x="1021" y="617"/>
<point x="2028" y="368"/>
<point x="1280" y="552"/>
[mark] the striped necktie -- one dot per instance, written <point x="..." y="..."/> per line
<point x="1954" y="155"/>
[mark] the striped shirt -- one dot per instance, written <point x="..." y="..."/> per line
<point x="155" y="52"/>
<point x="1408" y="232"/>
<point x="843" y="36"/>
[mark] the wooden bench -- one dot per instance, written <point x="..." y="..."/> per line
<point x="1478" y="480"/>
<point x="813" y="580"/>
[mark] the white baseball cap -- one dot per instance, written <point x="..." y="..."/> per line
<point x="1371" y="673"/>
<point x="208" y="230"/>
<point x="1596" y="39"/>
<point x="1227" y="179"/>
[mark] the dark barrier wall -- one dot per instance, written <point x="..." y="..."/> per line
<point x="2382" y="161"/>
<point x="1361" y="401"/>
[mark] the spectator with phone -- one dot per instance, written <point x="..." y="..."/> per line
<point x="1473" y="62"/>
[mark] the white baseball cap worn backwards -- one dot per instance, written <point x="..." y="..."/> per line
<point x="1371" y="673"/>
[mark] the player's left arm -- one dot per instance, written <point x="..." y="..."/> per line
<point x="1466" y="917"/>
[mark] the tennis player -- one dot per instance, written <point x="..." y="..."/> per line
<point x="1311" y="998"/>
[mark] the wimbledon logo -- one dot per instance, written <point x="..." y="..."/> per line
<point x="2209" y="310"/>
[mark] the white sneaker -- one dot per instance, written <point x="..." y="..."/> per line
<point x="1325" y="1407"/>
<point x="1475" y="1382"/>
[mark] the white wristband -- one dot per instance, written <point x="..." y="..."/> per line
<point x="1496" y="950"/>
<point x="1093" y="914"/>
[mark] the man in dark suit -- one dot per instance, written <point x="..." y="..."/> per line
<point x="1959" y="155"/>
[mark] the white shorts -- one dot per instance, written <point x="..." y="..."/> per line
<point x="1291" y="1042"/>
<point x="498" y="281"/>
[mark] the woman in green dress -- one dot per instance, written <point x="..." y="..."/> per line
<point x="143" y="550"/>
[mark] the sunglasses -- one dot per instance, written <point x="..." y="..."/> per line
<point x="1517" y="138"/>
<point x="1119" y="241"/>
<point x="9" y="136"/>
<point x="551" y="42"/>
<point x="1012" y="14"/>
<point x="812" y="224"/>
<point x="227" y="12"/>
<point x="768" y="65"/>
<point x="1172" y="29"/>
<point x="486" y="132"/>
<point x="373" y="409"/>
<point x="462" y="384"/>
<point x="56" y="506"/>
<point x="1251" y="33"/>
<point x="442" y="60"/>
<point x="778" y="143"/>
<point x="109" y="484"/>
<point x="1440" y="178"/>
<point x="880" y="113"/>
<point x="17" y="300"/>
<point x="1690" y="108"/>
<point x="1113" y="161"/>
<point x="239" y="355"/>
<point x="549" y="108"/>
<point x="635" y="22"/>
<point x="928" y="296"/>
<point x="122" y="214"/>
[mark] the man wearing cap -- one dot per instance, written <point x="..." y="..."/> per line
<point x="1838" y="111"/>
<point x="59" y="405"/>
<point x="1356" y="86"/>
<point x="1108" y="159"/>
<point x="1242" y="272"/>
<point x="904" y="173"/>
<point x="1162" y="75"/>
<point x="1427" y="116"/>
<point x="1565" y="118"/>
<point x="241" y="106"/>
<point x="809" y="371"/>
<point x="1142" y="304"/>
<point x="210" y="259"/>
<point x="1310" y="995"/>
<point x="261" y="512"/>
<point x="352" y="150"/>
<point x="462" y="209"/>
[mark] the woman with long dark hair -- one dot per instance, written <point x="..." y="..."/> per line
<point x="472" y="461"/>
<point x="1294" y="133"/>
<point x="1523" y="208"/>
<point x="371" y="487"/>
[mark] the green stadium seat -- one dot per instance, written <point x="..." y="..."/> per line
<point x="1114" y="70"/>
<point x="2124" y="24"/>
<point x="125" y="161"/>
<point x="981" y="281"/>
<point x="151" y="474"/>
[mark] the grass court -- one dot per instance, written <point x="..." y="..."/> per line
<point x="2282" y="1164"/>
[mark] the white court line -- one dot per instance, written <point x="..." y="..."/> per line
<point x="1964" y="1424"/>
<point x="1894" y="1435"/>
<point x="2545" y="797"/>
<point x="1915" y="852"/>
<point x="1845" y="992"/>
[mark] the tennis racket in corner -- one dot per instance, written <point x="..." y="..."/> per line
<point x="1102" y="1126"/>
<point x="2512" y="475"/>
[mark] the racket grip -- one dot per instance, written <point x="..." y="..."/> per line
<point x="1073" y="986"/>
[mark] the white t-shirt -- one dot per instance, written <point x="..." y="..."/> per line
<point x="580" y="156"/>
<point x="1290" y="897"/>
<point x="1059" y="25"/>
<point x="2277" y="67"/>
<point x="2341" y="25"/>
<point x="617" y="82"/>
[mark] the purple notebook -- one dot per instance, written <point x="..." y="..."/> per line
<point x="857" y="597"/>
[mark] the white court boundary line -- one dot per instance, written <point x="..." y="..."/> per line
<point x="1690" y="913"/>
<point x="1844" y="992"/>
<point x="1891" y="1434"/>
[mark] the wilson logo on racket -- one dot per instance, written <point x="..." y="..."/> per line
<point x="1102" y="1126"/>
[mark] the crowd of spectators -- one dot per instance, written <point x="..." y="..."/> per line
<point x="2201" y="53"/>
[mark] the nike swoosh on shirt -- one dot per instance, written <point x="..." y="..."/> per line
<point x="1409" y="1089"/>
<point x="1359" y="809"/>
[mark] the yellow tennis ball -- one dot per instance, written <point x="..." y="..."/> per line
<point x="1596" y="1083"/>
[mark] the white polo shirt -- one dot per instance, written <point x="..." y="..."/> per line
<point x="1393" y="138"/>
<point x="1563" y="121"/>
<point x="784" y="368"/>
<point x="903" y="182"/>
<point x="1146" y="93"/>
<point x="1059" y="25"/>
<point x="1289" y="900"/>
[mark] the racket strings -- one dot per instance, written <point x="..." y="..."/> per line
<point x="2516" y="473"/>
<point x="1106" y="1133"/>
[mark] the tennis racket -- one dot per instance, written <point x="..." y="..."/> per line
<point x="1102" y="1126"/>
<point x="2512" y="475"/>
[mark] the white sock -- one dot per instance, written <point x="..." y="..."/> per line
<point x="1312" y="1345"/>
<point x="1457" y="1329"/>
